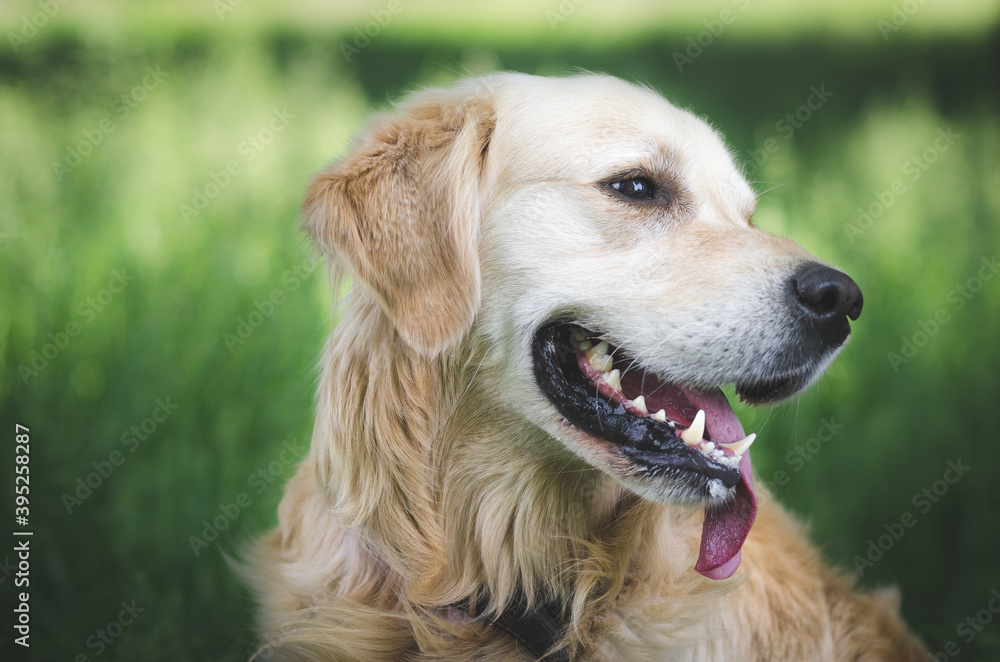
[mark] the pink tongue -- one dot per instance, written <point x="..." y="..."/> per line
<point x="727" y="525"/>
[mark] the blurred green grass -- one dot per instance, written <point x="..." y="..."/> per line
<point x="196" y="279"/>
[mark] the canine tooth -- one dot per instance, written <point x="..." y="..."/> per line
<point x="692" y="436"/>
<point x="602" y="363"/>
<point x="613" y="379"/>
<point x="661" y="416"/>
<point x="741" y="446"/>
<point x="598" y="356"/>
<point x="640" y="404"/>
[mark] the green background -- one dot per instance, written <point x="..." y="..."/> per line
<point x="226" y="68"/>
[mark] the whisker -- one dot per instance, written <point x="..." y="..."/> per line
<point x="761" y="193"/>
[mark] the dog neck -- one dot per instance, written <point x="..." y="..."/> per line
<point x="459" y="500"/>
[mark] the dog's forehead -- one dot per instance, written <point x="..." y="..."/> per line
<point x="601" y="115"/>
<point x="592" y="127"/>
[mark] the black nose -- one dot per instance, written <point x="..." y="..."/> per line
<point x="825" y="293"/>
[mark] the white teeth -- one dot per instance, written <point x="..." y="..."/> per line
<point x="661" y="416"/>
<point x="692" y="436"/>
<point x="708" y="447"/>
<point x="741" y="446"/>
<point x="613" y="379"/>
<point x="585" y="345"/>
<point x="598" y="356"/>
<point x="602" y="363"/>
<point x="640" y="404"/>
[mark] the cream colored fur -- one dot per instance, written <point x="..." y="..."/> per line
<point x="438" y="470"/>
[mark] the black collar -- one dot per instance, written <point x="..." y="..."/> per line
<point x="537" y="629"/>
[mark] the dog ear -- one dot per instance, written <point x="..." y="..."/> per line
<point x="401" y="213"/>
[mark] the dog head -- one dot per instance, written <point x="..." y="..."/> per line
<point x="601" y="241"/>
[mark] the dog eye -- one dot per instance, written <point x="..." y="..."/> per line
<point x="636" y="188"/>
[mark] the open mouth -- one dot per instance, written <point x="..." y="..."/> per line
<point x="689" y="436"/>
<point x="661" y="426"/>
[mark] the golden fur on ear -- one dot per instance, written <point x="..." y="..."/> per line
<point x="401" y="214"/>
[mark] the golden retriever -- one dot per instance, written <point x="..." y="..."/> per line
<point x="521" y="450"/>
